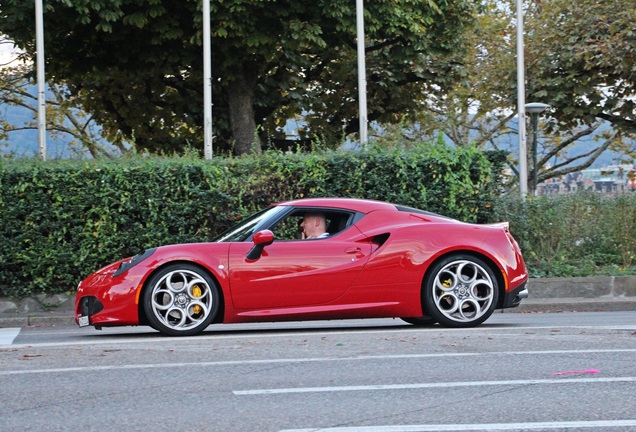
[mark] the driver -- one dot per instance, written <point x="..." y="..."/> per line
<point x="313" y="226"/>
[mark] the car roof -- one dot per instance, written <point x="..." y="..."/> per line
<point x="360" y="205"/>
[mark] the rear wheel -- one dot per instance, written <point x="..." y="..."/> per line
<point x="460" y="291"/>
<point x="180" y="300"/>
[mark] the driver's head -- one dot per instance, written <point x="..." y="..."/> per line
<point x="313" y="225"/>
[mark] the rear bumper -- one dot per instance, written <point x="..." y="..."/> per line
<point x="513" y="298"/>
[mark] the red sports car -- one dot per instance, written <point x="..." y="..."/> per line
<point x="376" y="260"/>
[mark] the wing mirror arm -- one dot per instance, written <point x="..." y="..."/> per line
<point x="260" y="239"/>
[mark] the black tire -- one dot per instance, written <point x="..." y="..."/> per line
<point x="180" y="300"/>
<point x="423" y="321"/>
<point x="460" y="291"/>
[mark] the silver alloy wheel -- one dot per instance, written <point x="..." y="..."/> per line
<point x="463" y="291"/>
<point x="181" y="300"/>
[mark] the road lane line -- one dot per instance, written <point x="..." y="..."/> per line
<point x="477" y="427"/>
<point x="303" y="360"/>
<point x="237" y="331"/>
<point x="150" y="336"/>
<point x="332" y="389"/>
<point x="7" y="335"/>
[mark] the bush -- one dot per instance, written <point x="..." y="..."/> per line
<point x="581" y="234"/>
<point x="62" y="220"/>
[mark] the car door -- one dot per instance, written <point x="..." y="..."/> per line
<point x="296" y="273"/>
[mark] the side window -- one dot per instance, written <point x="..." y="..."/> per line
<point x="338" y="221"/>
<point x="289" y="227"/>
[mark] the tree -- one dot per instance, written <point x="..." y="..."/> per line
<point x="63" y="117"/>
<point x="136" y="65"/>
<point x="589" y="82"/>
<point x="583" y="58"/>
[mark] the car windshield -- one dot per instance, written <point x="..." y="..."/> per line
<point x="244" y="230"/>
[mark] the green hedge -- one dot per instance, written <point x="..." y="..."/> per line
<point x="582" y="234"/>
<point x="61" y="220"/>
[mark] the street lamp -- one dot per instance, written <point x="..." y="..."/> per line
<point x="521" y="101"/>
<point x="362" y="74"/>
<point x="535" y="108"/>
<point x="207" y="82"/>
<point x="39" y="42"/>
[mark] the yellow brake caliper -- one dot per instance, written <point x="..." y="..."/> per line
<point x="196" y="291"/>
<point x="447" y="284"/>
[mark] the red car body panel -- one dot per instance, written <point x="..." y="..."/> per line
<point x="373" y="268"/>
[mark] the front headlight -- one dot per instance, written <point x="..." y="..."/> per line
<point x="127" y="265"/>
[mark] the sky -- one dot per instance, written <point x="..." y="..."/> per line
<point x="7" y="52"/>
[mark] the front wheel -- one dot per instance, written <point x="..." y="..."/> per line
<point x="180" y="300"/>
<point x="460" y="291"/>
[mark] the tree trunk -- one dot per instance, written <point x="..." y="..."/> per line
<point x="241" y="105"/>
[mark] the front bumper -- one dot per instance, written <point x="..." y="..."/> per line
<point x="106" y="300"/>
<point x="86" y="307"/>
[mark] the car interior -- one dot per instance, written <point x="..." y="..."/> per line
<point x="288" y="227"/>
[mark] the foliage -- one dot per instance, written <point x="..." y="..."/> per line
<point x="62" y="220"/>
<point x="581" y="59"/>
<point x="573" y="235"/>
<point x="582" y="56"/>
<point x="136" y="65"/>
<point x="64" y="121"/>
<point x="589" y="82"/>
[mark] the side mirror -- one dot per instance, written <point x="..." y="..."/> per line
<point x="260" y="239"/>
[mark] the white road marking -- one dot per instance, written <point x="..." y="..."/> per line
<point x="433" y="385"/>
<point x="139" y="335"/>
<point x="7" y="335"/>
<point x="477" y="427"/>
<point x="305" y="360"/>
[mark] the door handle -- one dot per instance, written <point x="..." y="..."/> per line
<point x="353" y="250"/>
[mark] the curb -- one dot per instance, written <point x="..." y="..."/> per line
<point x="580" y="294"/>
<point x="37" y="320"/>
<point x="610" y="304"/>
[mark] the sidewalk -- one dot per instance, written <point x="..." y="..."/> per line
<point x="595" y="294"/>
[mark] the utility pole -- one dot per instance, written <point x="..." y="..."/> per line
<point x="535" y="108"/>
<point x="39" y="46"/>
<point x="521" y="105"/>
<point x="362" y="79"/>
<point x="207" y="82"/>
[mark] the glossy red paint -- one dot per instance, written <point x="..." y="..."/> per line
<point x="375" y="265"/>
<point x="120" y="294"/>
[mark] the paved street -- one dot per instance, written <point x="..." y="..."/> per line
<point x="546" y="371"/>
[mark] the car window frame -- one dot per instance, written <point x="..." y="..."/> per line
<point x="352" y="218"/>
<point x="243" y="231"/>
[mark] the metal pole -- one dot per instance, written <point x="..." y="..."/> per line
<point x="535" y="108"/>
<point x="362" y="80"/>
<point x="535" y="121"/>
<point x="521" y="102"/>
<point x="207" y="82"/>
<point x="39" y="47"/>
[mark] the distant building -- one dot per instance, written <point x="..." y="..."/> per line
<point x="609" y="180"/>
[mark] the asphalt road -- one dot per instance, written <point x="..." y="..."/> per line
<point x="563" y="371"/>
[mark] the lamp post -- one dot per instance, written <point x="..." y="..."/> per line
<point x="521" y="101"/>
<point x="535" y="108"/>
<point x="39" y="36"/>
<point x="207" y="83"/>
<point x="362" y="74"/>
